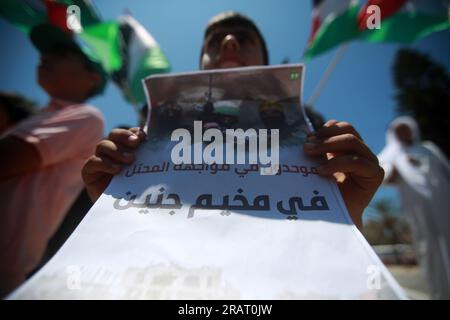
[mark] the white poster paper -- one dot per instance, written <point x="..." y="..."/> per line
<point x="218" y="231"/>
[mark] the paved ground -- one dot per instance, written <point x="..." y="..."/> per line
<point x="412" y="280"/>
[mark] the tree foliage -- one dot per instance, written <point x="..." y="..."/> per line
<point x="423" y="91"/>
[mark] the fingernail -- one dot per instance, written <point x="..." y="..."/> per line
<point x="133" y="137"/>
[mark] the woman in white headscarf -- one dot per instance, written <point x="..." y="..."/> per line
<point x="421" y="173"/>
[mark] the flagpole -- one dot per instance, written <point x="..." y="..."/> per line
<point x="326" y="75"/>
<point x="134" y="103"/>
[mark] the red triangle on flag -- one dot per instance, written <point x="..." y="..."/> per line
<point x="387" y="8"/>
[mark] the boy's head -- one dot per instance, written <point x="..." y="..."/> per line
<point x="66" y="71"/>
<point x="232" y="40"/>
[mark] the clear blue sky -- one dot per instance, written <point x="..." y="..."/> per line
<point x="360" y="90"/>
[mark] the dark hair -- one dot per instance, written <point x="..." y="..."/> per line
<point x="234" y="19"/>
<point x="88" y="65"/>
<point x="18" y="107"/>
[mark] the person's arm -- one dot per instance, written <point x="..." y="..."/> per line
<point x="18" y="157"/>
<point x="350" y="162"/>
<point x="110" y="156"/>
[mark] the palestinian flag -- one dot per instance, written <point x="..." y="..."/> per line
<point x="100" y="37"/>
<point x="25" y="14"/>
<point x="125" y="49"/>
<point x="128" y="53"/>
<point x="141" y="57"/>
<point x="333" y="22"/>
<point x="402" y="21"/>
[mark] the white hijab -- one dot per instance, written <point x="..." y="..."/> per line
<point x="397" y="155"/>
<point x="425" y="192"/>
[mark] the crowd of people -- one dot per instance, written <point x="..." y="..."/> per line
<point x="54" y="153"/>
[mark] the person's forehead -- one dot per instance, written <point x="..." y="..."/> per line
<point x="232" y="29"/>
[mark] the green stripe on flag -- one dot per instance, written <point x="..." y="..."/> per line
<point x="152" y="63"/>
<point x="103" y="39"/>
<point x="340" y="29"/>
<point x="406" y="27"/>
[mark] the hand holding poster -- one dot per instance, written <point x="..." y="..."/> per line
<point x="221" y="203"/>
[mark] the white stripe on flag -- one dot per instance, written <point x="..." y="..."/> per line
<point x="139" y="45"/>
